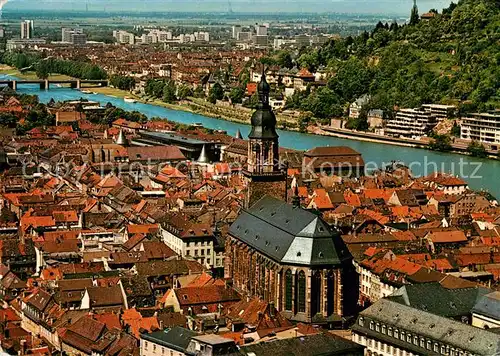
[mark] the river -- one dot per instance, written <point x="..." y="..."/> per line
<point x="481" y="174"/>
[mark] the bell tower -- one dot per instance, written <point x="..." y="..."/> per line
<point x="263" y="172"/>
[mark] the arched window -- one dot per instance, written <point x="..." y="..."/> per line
<point x="301" y="292"/>
<point x="316" y="293"/>
<point x="330" y="293"/>
<point x="288" y="290"/>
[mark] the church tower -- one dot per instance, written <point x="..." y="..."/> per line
<point x="263" y="172"/>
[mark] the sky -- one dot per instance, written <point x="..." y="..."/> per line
<point x="255" y="6"/>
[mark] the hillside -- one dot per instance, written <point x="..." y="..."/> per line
<point x="452" y="58"/>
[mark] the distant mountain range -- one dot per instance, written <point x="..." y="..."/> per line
<point x="399" y="7"/>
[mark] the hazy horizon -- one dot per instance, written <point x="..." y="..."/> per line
<point x="400" y="7"/>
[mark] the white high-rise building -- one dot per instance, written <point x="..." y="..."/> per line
<point x="27" y="27"/>
<point x="260" y="30"/>
<point x="236" y="31"/>
<point x="73" y="35"/>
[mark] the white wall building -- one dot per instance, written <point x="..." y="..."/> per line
<point x="481" y="127"/>
<point x="27" y="27"/>
<point x="198" y="244"/>
<point x="410" y="123"/>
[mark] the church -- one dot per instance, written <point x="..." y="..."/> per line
<point x="280" y="252"/>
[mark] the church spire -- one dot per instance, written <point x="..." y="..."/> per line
<point x="263" y="165"/>
<point x="263" y="119"/>
<point x="263" y="89"/>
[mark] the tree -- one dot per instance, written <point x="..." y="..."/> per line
<point x="42" y="70"/>
<point x="215" y="93"/>
<point x="441" y="143"/>
<point x="236" y="95"/>
<point x="184" y="91"/>
<point x="455" y="130"/>
<point x="169" y="92"/>
<point x="285" y="59"/>
<point x="122" y="82"/>
<point x="414" y="17"/>
<point x="476" y="149"/>
<point x="360" y="123"/>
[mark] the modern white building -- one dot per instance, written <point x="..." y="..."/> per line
<point x="260" y="30"/>
<point x="481" y="127"/>
<point x="440" y="112"/>
<point x="410" y="123"/>
<point x="27" y="27"/>
<point x="124" y="37"/>
<point x="236" y="31"/>
<point x="73" y="35"/>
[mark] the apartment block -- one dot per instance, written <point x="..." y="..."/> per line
<point x="482" y="127"/>
<point x="27" y="27"/>
<point x="440" y="112"/>
<point x="411" y="123"/>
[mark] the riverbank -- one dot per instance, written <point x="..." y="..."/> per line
<point x="236" y="114"/>
<point x="7" y="70"/>
<point x="457" y="147"/>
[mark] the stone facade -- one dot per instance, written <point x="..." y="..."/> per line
<point x="273" y="185"/>
<point x="300" y="293"/>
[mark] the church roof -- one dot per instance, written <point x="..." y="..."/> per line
<point x="289" y="235"/>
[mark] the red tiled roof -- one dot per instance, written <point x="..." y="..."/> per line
<point x="206" y="296"/>
<point x="447" y="236"/>
<point x="441" y="264"/>
<point x="136" y="321"/>
<point x="446" y="180"/>
<point x="352" y="199"/>
<point x="133" y="229"/>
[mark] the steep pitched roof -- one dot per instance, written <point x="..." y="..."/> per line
<point x="288" y="234"/>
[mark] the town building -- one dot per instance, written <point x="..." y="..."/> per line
<point x="339" y="160"/>
<point x="440" y="112"/>
<point x="171" y="342"/>
<point x="74" y="36"/>
<point x="410" y="123"/>
<point x="482" y="127"/>
<point x="356" y="106"/>
<point x="27" y="27"/>
<point x="391" y="328"/>
<point x="192" y="240"/>
<point x="320" y="344"/>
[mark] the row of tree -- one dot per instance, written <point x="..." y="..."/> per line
<point x="45" y="66"/>
<point x="167" y="90"/>
<point x="122" y="82"/>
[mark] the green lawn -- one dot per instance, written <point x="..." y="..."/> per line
<point x="30" y="75"/>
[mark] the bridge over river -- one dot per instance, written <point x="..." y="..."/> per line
<point x="45" y="83"/>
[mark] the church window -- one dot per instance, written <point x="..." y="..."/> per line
<point x="288" y="290"/>
<point x="301" y="292"/>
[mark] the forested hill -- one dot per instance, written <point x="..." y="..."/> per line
<point x="452" y="58"/>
